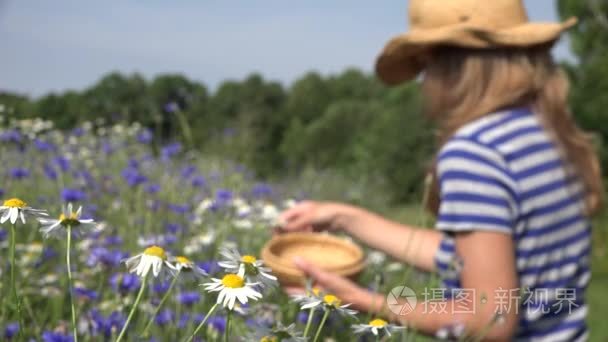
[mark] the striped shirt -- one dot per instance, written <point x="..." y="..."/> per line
<point x="503" y="173"/>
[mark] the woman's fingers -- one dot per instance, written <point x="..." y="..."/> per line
<point x="300" y="217"/>
<point x="296" y="210"/>
<point x="295" y="291"/>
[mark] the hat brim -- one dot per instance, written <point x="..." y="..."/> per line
<point x="403" y="57"/>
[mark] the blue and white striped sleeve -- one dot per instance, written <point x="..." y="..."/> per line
<point x="476" y="189"/>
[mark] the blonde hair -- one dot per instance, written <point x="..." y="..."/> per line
<point x="461" y="85"/>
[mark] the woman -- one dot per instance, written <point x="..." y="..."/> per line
<point x="515" y="179"/>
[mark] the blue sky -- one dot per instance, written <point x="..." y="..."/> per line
<point x="69" y="44"/>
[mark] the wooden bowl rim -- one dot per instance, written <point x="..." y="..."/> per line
<point x="274" y="261"/>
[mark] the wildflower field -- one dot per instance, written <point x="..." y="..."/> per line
<point x="109" y="235"/>
<point x="154" y="241"/>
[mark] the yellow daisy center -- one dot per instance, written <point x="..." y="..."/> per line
<point x="156" y="251"/>
<point x="72" y="220"/>
<point x="378" y="323"/>
<point x="248" y="259"/>
<point x="183" y="260"/>
<point x="268" y="339"/>
<point x="331" y="300"/>
<point x="314" y="291"/>
<point x="233" y="281"/>
<point x="14" y="203"/>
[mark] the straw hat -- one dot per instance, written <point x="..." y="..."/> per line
<point x="465" y="23"/>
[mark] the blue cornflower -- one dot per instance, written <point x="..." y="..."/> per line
<point x="173" y="227"/>
<point x="116" y="321"/>
<point x="161" y="286"/>
<point x="179" y="208"/>
<point x="78" y="131"/>
<point x="95" y="256"/>
<point x="261" y="190"/>
<point x="87" y="177"/>
<point x="189" y="297"/>
<point x="48" y="253"/>
<point x="49" y="171"/>
<point x="107" y="147"/>
<point x="170" y="150"/>
<point x="164" y="317"/>
<point x="210" y="266"/>
<point x="223" y="195"/>
<point x="19" y="173"/>
<point x="112" y="240"/>
<point x="81" y="292"/>
<point x="171" y="107"/>
<point x="107" y="326"/>
<point x="11" y="330"/>
<point x="187" y="171"/>
<point x="198" y="181"/>
<point x="98" y="322"/>
<point x="124" y="282"/>
<point x="145" y="136"/>
<point x="184" y="319"/>
<point x="11" y="136"/>
<point x="133" y="177"/>
<point x="73" y="195"/>
<point x="302" y="317"/>
<point x="112" y="258"/>
<point x="51" y="336"/>
<point x="134" y="163"/>
<point x="43" y="146"/>
<point x="153" y="188"/>
<point x="2" y="234"/>
<point x="218" y="323"/>
<point x="62" y="162"/>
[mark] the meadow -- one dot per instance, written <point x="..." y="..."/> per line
<point x="142" y="193"/>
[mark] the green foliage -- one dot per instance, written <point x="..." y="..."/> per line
<point x="589" y="76"/>
<point x="348" y="122"/>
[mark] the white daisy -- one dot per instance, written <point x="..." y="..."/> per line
<point x="312" y="294"/>
<point x="186" y="267"/>
<point x="252" y="268"/>
<point x="14" y="208"/>
<point x="330" y="302"/>
<point x="270" y="213"/>
<point x="153" y="258"/>
<point x="378" y="327"/>
<point x="57" y="227"/>
<point x="232" y="287"/>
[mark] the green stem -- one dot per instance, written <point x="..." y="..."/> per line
<point x="139" y="295"/>
<point x="321" y="325"/>
<point x="309" y="321"/>
<point x="202" y="323"/>
<point x="70" y="283"/>
<point x="17" y="300"/>
<point x="227" y="332"/>
<point x="183" y="122"/>
<point x="160" y="305"/>
<point x="11" y="253"/>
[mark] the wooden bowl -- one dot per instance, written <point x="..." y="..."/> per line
<point x="330" y="253"/>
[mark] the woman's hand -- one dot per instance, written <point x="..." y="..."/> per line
<point x="317" y="216"/>
<point x="341" y="287"/>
